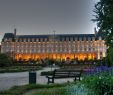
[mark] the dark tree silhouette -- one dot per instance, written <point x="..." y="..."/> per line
<point x="5" y="60"/>
<point x="104" y="18"/>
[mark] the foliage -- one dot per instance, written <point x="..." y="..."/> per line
<point x="19" y="68"/>
<point x="104" y="18"/>
<point x="48" y="91"/>
<point x="5" y="60"/>
<point x="79" y="89"/>
<point x="20" y="90"/>
<point x="110" y="56"/>
<point x="100" y="81"/>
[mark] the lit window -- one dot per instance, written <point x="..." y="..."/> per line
<point x="89" y="49"/>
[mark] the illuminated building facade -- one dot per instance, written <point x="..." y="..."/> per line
<point x="60" y="46"/>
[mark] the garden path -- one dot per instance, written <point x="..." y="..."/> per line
<point x="7" y="80"/>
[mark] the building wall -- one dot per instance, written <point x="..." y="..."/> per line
<point x="41" y="48"/>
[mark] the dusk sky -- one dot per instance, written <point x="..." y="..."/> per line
<point x="44" y="16"/>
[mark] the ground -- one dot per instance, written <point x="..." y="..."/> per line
<point x="8" y="80"/>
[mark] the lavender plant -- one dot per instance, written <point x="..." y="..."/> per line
<point x="100" y="80"/>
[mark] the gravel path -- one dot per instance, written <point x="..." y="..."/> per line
<point x="7" y="80"/>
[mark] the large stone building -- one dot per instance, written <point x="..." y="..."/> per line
<point x="59" y="46"/>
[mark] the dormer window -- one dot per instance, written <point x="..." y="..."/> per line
<point x="84" y="38"/>
<point x="37" y="39"/>
<point x="93" y="38"/>
<point x="75" y="38"/>
<point x="100" y="38"/>
<point x="89" y="38"/>
<point x="71" y="38"/>
<point x="67" y="38"/>
<point x="80" y="39"/>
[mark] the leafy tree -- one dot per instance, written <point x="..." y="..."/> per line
<point x="104" y="18"/>
<point x="5" y="60"/>
<point x="109" y="58"/>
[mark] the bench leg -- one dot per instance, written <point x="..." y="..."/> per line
<point x="79" y="78"/>
<point x="50" y="80"/>
<point x="75" y="79"/>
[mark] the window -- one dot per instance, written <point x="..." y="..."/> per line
<point x="62" y="39"/>
<point x="100" y="38"/>
<point x="89" y="38"/>
<point x="93" y="38"/>
<point x="80" y="39"/>
<point x="93" y="49"/>
<point x="76" y="49"/>
<point x="84" y="38"/>
<point x="49" y="49"/>
<point x="67" y="38"/>
<point x="45" y="39"/>
<point x="71" y="39"/>
<point x="28" y="39"/>
<point x="85" y="49"/>
<point x="24" y="39"/>
<point x="89" y="49"/>
<point x="80" y="48"/>
<point x="37" y="40"/>
<point x="41" y="39"/>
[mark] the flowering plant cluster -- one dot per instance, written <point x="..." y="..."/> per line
<point x="99" y="70"/>
<point x="96" y="81"/>
<point x="100" y="79"/>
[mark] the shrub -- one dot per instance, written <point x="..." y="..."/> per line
<point x="5" y="60"/>
<point x="101" y="83"/>
<point x="79" y="89"/>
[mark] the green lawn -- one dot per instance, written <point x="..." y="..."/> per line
<point x="47" y="91"/>
<point x="52" y="89"/>
<point x="12" y="69"/>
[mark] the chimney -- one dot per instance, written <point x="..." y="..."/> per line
<point x="15" y="31"/>
<point x="95" y="31"/>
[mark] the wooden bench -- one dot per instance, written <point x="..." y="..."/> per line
<point x="61" y="73"/>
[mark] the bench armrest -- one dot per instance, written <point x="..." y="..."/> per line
<point x="49" y="76"/>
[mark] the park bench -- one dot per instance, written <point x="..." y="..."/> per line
<point x="63" y="73"/>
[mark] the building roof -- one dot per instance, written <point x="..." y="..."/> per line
<point x="9" y="35"/>
<point x="57" y="35"/>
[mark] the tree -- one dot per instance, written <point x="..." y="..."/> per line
<point x="104" y="18"/>
<point x="5" y="60"/>
<point x="109" y="58"/>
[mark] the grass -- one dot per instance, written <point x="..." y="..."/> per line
<point x="46" y="91"/>
<point x="19" y="69"/>
<point x="20" y="90"/>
